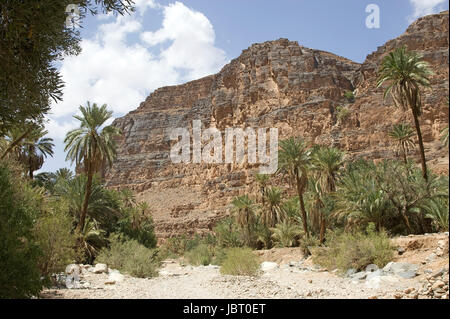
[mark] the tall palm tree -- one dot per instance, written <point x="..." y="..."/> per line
<point x="91" y="146"/>
<point x="244" y="208"/>
<point x="294" y="160"/>
<point x="326" y="162"/>
<point x="262" y="180"/>
<point x="405" y="72"/>
<point x="403" y="135"/>
<point x="272" y="213"/>
<point x="34" y="149"/>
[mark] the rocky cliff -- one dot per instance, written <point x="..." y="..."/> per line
<point x="273" y="84"/>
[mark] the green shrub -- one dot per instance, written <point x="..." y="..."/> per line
<point x="308" y="243"/>
<point x="343" y="113"/>
<point x="19" y="254"/>
<point x="129" y="257"/>
<point x="53" y="233"/>
<point x="136" y="225"/>
<point x="240" y="262"/>
<point x="227" y="233"/>
<point x="200" y="255"/>
<point x="286" y="233"/>
<point x="349" y="96"/>
<point x="355" y="250"/>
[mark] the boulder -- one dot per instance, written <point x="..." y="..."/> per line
<point x="374" y="274"/>
<point x="100" y="269"/>
<point x="114" y="277"/>
<point x="373" y="282"/>
<point x="350" y="272"/>
<point x="268" y="265"/>
<point x="404" y="270"/>
<point x="371" y="268"/>
<point x="359" y="275"/>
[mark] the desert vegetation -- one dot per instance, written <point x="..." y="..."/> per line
<point x="340" y="210"/>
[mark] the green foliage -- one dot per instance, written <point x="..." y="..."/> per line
<point x="308" y="243"/>
<point x="355" y="250"/>
<point x="271" y="213"/>
<point x="343" y="113"/>
<point x="286" y="233"/>
<point x="137" y="224"/>
<point x="53" y="233"/>
<point x="244" y="209"/>
<point x="349" y="96"/>
<point x="129" y="257"/>
<point x="200" y="255"/>
<point x="19" y="254"/>
<point x="403" y="136"/>
<point x="240" y="262"/>
<point x="103" y="206"/>
<point x="227" y="233"/>
<point x="33" y="37"/>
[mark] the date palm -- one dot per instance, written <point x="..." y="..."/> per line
<point x="262" y="180"/>
<point x="272" y="213"/>
<point x="294" y="160"/>
<point x="244" y="208"/>
<point x="90" y="145"/>
<point x="403" y="135"/>
<point x="34" y="149"/>
<point x="326" y="163"/>
<point x="405" y="72"/>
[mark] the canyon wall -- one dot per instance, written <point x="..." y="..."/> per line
<point x="277" y="84"/>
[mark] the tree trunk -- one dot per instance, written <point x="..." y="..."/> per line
<point x="87" y="195"/>
<point x="302" y="205"/>
<point x="421" y="147"/>
<point x="405" y="218"/>
<point x="323" y="227"/>
<point x="404" y="154"/>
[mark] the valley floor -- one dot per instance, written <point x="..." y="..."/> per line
<point x="287" y="281"/>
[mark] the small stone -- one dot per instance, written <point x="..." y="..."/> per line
<point x="310" y="281"/>
<point x="408" y="290"/>
<point x="400" y="250"/>
<point x="437" y="284"/>
<point x="398" y="296"/>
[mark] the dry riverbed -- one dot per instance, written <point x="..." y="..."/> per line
<point x="284" y="278"/>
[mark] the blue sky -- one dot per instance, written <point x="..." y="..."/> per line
<point x="169" y="42"/>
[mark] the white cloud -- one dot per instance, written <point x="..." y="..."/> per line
<point x="121" y="74"/>
<point x="425" y="7"/>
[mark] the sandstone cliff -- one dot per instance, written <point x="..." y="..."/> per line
<point x="273" y="84"/>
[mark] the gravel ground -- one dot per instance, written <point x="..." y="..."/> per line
<point x="187" y="282"/>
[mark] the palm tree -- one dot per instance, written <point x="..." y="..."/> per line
<point x="286" y="233"/>
<point x="245" y="216"/>
<point x="34" y="149"/>
<point x="294" y="160"/>
<point x="90" y="146"/>
<point x="405" y="71"/>
<point x="64" y="173"/>
<point x="326" y="163"/>
<point x="403" y="135"/>
<point x="262" y="180"/>
<point x="272" y="213"/>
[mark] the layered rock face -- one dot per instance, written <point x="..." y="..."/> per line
<point x="277" y="84"/>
